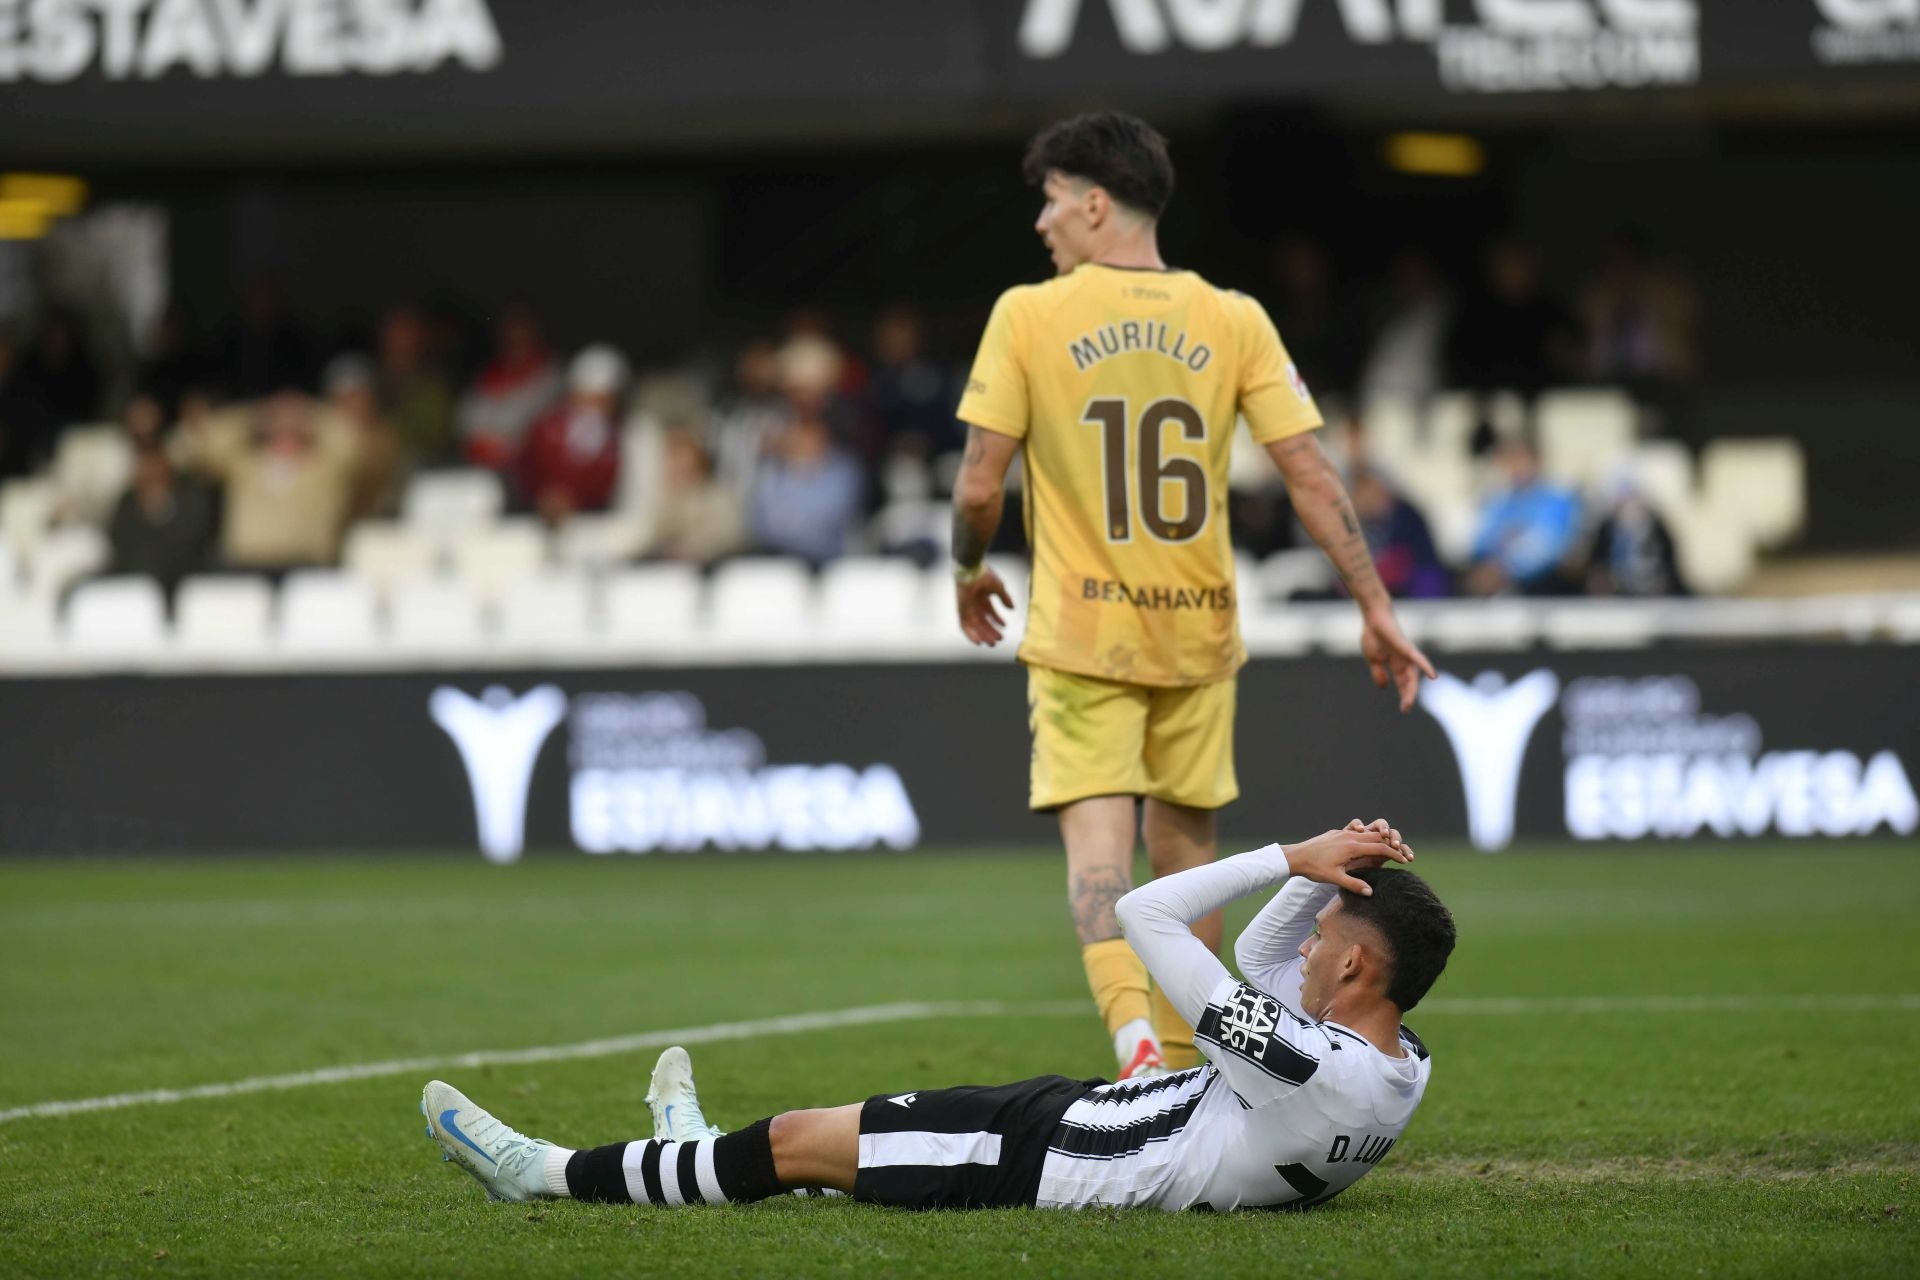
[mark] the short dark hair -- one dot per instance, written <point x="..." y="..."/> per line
<point x="1110" y="149"/>
<point x="1417" y="927"/>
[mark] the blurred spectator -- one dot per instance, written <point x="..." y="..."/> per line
<point x="1514" y="336"/>
<point x="750" y="417"/>
<point x="1632" y="552"/>
<point x="416" y="397"/>
<point x="175" y="363"/>
<point x="809" y="493"/>
<point x="1642" y="321"/>
<point x="910" y="397"/>
<point x="61" y="371"/>
<point x="287" y="479"/>
<point x="145" y="421"/>
<point x="166" y="525"/>
<point x="1403" y="549"/>
<point x="1526" y="531"/>
<point x="571" y="458"/>
<point x="26" y="424"/>
<point x="699" y="520"/>
<point x="1306" y="312"/>
<point x="518" y="384"/>
<point x="1408" y="354"/>
<point x="379" y="454"/>
<point x="263" y="350"/>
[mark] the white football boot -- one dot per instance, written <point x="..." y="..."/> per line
<point x="510" y="1165"/>
<point x="675" y="1105"/>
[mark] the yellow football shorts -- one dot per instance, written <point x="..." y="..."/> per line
<point x="1094" y="737"/>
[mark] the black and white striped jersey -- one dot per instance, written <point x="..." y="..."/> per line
<point x="1286" y="1111"/>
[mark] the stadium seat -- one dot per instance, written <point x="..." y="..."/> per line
<point x="91" y="467"/>
<point x="447" y="504"/>
<point x="553" y="612"/>
<point x="913" y="525"/>
<point x="66" y="554"/>
<point x="26" y="513"/>
<point x="761" y="603"/>
<point x="493" y="561"/>
<point x="1272" y="628"/>
<point x="1760" y="483"/>
<point x="600" y="540"/>
<point x="10" y="575"/>
<point x="1903" y="620"/>
<point x="1584" y="435"/>
<point x="223" y="616"/>
<point x="124" y="617"/>
<point x="1286" y="574"/>
<point x="652" y="608"/>
<point x="1714" y="548"/>
<point x="871" y="598"/>
<point x="1390" y="426"/>
<point x="436" y="620"/>
<point x="28" y="625"/>
<point x="1663" y="471"/>
<point x="388" y="554"/>
<point x="324" y="613"/>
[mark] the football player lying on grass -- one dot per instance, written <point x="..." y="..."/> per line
<point x="1310" y="1077"/>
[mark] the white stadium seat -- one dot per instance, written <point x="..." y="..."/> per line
<point x="1903" y="620"/>
<point x="1584" y="434"/>
<point x="324" y="613"/>
<point x="1492" y="624"/>
<point x="1760" y="483"/>
<point x="26" y="513"/>
<point x="1286" y="574"/>
<point x="122" y="617"/>
<point x="871" y="597"/>
<point x="66" y="554"/>
<point x="552" y="612"/>
<point x="447" y="504"/>
<point x="91" y="467"/>
<point x="388" y="554"/>
<point x="10" y="575"/>
<point x="1662" y="470"/>
<point x="1715" y="552"/>
<point x="652" y="607"/>
<point x="1273" y="628"/>
<point x="436" y="619"/>
<point x="493" y="561"/>
<point x="600" y="540"/>
<point x="1600" y="624"/>
<point x="28" y="623"/>
<point x="223" y="616"/>
<point x="761" y="602"/>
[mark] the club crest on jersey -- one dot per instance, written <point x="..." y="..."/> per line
<point x="1299" y="383"/>
<point x="1247" y="1020"/>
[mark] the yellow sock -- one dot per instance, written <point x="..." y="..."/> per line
<point x="1175" y="1036"/>
<point x="1118" y="980"/>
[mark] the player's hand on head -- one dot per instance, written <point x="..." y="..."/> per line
<point x="1333" y="857"/>
<point x="980" y="620"/>
<point x="1392" y="659"/>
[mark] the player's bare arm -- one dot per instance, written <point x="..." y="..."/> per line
<point x="979" y="493"/>
<point x="1321" y="502"/>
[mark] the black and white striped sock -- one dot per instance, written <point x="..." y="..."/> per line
<point x="737" y="1167"/>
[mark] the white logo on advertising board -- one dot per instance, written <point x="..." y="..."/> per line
<point x="1864" y="31"/>
<point x="61" y="40"/>
<point x="499" y="738"/>
<point x="1510" y="46"/>
<point x="1489" y="724"/>
<point x="1643" y="759"/>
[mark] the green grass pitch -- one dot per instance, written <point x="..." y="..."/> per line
<point x="1773" y="1136"/>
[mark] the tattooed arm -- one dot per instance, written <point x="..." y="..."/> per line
<point x="979" y="493"/>
<point x="1321" y="502"/>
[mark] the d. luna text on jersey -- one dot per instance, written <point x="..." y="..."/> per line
<point x="1090" y="349"/>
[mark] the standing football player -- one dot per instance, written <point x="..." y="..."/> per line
<point x="1121" y="382"/>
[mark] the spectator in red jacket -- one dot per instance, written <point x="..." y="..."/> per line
<point x="571" y="458"/>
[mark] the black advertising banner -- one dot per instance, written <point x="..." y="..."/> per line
<point x="86" y="78"/>
<point x="1795" y="741"/>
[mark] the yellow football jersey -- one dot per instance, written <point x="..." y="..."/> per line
<point x="1125" y="387"/>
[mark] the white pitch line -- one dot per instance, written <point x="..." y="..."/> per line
<point x="907" y="1011"/>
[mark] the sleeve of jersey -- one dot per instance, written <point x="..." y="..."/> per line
<point x="1262" y="1047"/>
<point x="1268" y="950"/>
<point x="1273" y="396"/>
<point x="996" y="395"/>
<point x="1158" y="917"/>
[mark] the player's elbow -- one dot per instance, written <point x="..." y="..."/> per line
<point x="975" y="495"/>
